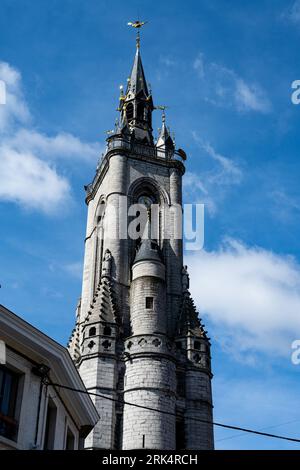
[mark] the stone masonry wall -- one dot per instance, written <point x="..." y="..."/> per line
<point x="198" y="405"/>
<point x="149" y="382"/>
<point x="99" y="376"/>
<point x="148" y="320"/>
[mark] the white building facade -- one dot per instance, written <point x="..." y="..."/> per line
<point x="33" y="413"/>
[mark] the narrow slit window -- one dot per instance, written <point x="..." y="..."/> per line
<point x="149" y="302"/>
<point x="129" y="111"/>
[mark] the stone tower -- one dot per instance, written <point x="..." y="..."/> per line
<point x="138" y="338"/>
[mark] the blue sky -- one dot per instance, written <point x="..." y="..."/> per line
<point x="225" y="70"/>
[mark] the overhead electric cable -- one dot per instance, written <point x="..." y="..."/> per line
<point x="191" y="418"/>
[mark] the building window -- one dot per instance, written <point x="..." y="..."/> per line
<point x="50" y="425"/>
<point x="100" y="212"/>
<point x="129" y="112"/>
<point x="140" y="111"/>
<point x="149" y="302"/>
<point x="92" y="331"/>
<point x="8" y="398"/>
<point x="197" y="358"/>
<point x="180" y="383"/>
<point x="70" y="440"/>
<point x="197" y="345"/>
<point x="107" y="331"/>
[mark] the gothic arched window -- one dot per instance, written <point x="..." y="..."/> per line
<point x="146" y="192"/>
<point x="100" y="212"/>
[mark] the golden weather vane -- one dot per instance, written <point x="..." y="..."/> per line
<point x="163" y="109"/>
<point x="137" y="25"/>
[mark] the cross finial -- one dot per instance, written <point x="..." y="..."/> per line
<point x="137" y="24"/>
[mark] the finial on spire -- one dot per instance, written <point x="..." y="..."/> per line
<point x="163" y="109"/>
<point x="121" y="92"/>
<point x="137" y="24"/>
<point x="164" y="141"/>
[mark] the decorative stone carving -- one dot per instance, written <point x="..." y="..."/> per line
<point x="185" y="279"/>
<point x="106" y="263"/>
<point x="106" y="344"/>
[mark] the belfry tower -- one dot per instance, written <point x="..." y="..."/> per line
<point x="138" y="338"/>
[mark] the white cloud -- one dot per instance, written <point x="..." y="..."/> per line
<point x="192" y="184"/>
<point x="167" y="61"/>
<point x="293" y="13"/>
<point x="15" y="111"/>
<point x="62" y="145"/>
<point x="251" y="97"/>
<point x="199" y="64"/>
<point x="251" y="295"/>
<point x="27" y="174"/>
<point x="285" y="207"/>
<point x="223" y="87"/>
<point x="210" y="188"/>
<point x="31" y="182"/>
<point x="230" y="169"/>
<point x="74" y="269"/>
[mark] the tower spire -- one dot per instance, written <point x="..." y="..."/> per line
<point x="164" y="141"/>
<point x="136" y="105"/>
<point x="137" y="81"/>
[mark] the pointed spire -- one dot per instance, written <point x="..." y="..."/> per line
<point x="137" y="81"/>
<point x="74" y="340"/>
<point x="189" y="318"/>
<point x="164" y="140"/>
<point x="148" y="250"/>
<point x="136" y="104"/>
<point x="103" y="306"/>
